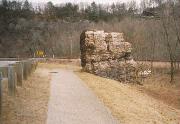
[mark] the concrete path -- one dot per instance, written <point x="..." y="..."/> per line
<point x="6" y="63"/>
<point x="71" y="102"/>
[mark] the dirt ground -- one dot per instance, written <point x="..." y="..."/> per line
<point x="155" y="102"/>
<point x="158" y="87"/>
<point x="29" y="106"/>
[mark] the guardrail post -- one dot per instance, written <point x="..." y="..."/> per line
<point x="25" y="70"/>
<point x="11" y="80"/>
<point x="4" y="71"/>
<point x="19" y="72"/>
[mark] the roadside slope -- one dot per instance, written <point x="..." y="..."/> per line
<point x="30" y="104"/>
<point x="128" y="103"/>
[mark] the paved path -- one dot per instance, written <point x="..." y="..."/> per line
<point x="6" y="63"/>
<point x="71" y="102"/>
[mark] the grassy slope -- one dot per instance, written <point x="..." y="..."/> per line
<point x="30" y="104"/>
<point x="129" y="103"/>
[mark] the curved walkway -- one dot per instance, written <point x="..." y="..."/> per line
<point x="71" y="102"/>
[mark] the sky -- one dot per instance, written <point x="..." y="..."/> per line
<point x="78" y="1"/>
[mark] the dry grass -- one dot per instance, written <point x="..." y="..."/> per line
<point x="155" y="102"/>
<point x="29" y="106"/>
<point x="129" y="103"/>
<point x="158" y="64"/>
<point x="159" y="87"/>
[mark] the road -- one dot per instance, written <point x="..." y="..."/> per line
<point x="6" y="63"/>
<point x="71" y="102"/>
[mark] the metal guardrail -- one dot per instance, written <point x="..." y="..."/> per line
<point x="15" y="71"/>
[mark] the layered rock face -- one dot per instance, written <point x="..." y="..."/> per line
<point x="107" y="54"/>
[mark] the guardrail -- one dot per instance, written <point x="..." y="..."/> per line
<point x="15" y="71"/>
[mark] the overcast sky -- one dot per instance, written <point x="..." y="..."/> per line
<point x="78" y="1"/>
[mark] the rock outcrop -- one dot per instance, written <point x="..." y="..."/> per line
<point x="107" y="55"/>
